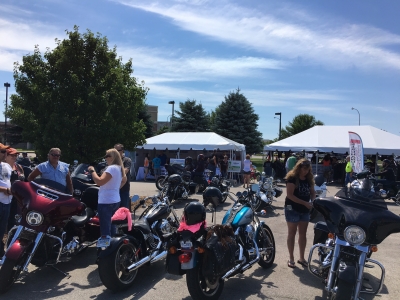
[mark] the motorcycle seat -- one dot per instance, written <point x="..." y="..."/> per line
<point x="80" y="221"/>
<point x="142" y="225"/>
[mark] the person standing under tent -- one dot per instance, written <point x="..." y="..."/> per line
<point x="157" y="167"/>
<point x="246" y="171"/>
<point x="125" y="189"/>
<point x="349" y="171"/>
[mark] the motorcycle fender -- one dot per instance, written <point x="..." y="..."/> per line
<point x="348" y="274"/>
<point x="115" y="243"/>
<point x="192" y="263"/>
<point x="16" y="251"/>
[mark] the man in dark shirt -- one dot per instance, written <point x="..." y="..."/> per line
<point x="387" y="172"/>
<point x="25" y="161"/>
<point x="163" y="159"/>
<point x="124" y="191"/>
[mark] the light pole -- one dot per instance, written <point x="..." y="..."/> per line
<point x="358" y="115"/>
<point x="7" y="85"/>
<point x="172" y="102"/>
<point x="280" y="123"/>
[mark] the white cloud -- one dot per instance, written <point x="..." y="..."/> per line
<point x="338" y="47"/>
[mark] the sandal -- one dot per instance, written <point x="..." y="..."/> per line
<point x="304" y="263"/>
<point x="291" y="264"/>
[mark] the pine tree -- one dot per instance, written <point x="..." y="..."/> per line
<point x="235" y="119"/>
<point x="192" y="117"/>
<point x="299" y="124"/>
<point x="146" y="118"/>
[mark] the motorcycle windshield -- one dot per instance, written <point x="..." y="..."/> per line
<point x="374" y="217"/>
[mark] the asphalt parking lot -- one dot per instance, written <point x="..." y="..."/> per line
<point x="278" y="282"/>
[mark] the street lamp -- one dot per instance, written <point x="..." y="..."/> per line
<point x="280" y="123"/>
<point x="172" y="102"/>
<point x="7" y="85"/>
<point x="358" y="115"/>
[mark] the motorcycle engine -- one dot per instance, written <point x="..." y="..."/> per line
<point x="164" y="228"/>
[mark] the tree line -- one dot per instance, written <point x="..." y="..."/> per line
<point x="82" y="98"/>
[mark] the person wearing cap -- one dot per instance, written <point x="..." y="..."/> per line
<point x="17" y="174"/>
<point x="25" y="161"/>
<point x="5" y="194"/>
<point x="54" y="169"/>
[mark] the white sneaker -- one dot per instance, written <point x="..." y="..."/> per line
<point x="104" y="242"/>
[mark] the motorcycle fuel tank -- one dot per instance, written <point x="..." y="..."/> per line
<point x="158" y="212"/>
<point x="236" y="218"/>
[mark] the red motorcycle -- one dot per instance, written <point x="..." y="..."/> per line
<point x="53" y="226"/>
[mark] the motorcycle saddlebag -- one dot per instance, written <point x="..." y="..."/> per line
<point x="220" y="249"/>
<point x="193" y="188"/>
<point x="320" y="233"/>
<point x="173" y="266"/>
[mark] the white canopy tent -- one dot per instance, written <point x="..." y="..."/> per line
<point x="336" y="139"/>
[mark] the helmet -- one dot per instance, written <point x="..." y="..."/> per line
<point x="194" y="213"/>
<point x="215" y="180"/>
<point x="212" y="195"/>
<point x="200" y="157"/>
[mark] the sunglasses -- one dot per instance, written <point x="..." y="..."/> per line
<point x="119" y="150"/>
<point x="107" y="156"/>
<point x="55" y="155"/>
<point x="3" y="151"/>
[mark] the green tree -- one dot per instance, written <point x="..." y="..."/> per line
<point x="299" y="124"/>
<point x="162" y="130"/>
<point x="235" y="119"/>
<point x="192" y="117"/>
<point x="146" y="118"/>
<point x="79" y="97"/>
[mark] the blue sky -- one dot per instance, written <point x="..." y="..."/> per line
<point x="316" y="57"/>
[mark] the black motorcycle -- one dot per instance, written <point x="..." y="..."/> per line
<point x="222" y="184"/>
<point x="356" y="222"/>
<point x="171" y="170"/>
<point x="145" y="244"/>
<point x="82" y="179"/>
<point x="179" y="187"/>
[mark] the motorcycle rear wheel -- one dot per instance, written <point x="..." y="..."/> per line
<point x="198" y="288"/>
<point x="112" y="268"/>
<point x="8" y="275"/>
<point x="267" y="258"/>
<point x="160" y="182"/>
<point x="344" y="291"/>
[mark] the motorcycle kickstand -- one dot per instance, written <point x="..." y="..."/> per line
<point x="62" y="272"/>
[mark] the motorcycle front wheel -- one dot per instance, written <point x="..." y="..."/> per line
<point x="8" y="275"/>
<point x="266" y="244"/>
<point x="201" y="288"/>
<point x="160" y="182"/>
<point x="344" y="291"/>
<point x="112" y="268"/>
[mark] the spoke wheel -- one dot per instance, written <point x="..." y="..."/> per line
<point x="266" y="244"/>
<point x="201" y="288"/>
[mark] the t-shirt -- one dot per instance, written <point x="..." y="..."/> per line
<point x="163" y="159"/>
<point x="302" y="192"/>
<point x="5" y="175"/>
<point x="156" y="163"/>
<point x="127" y="162"/>
<point x="58" y="174"/>
<point x="109" y="192"/>
<point x="247" y="165"/>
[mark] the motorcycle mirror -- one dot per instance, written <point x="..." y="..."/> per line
<point x="141" y="202"/>
<point x="238" y="194"/>
<point x="245" y="193"/>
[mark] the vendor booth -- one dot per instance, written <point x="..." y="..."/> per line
<point x="179" y="145"/>
<point x="335" y="139"/>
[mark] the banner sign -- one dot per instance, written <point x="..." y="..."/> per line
<point x="356" y="152"/>
<point x="177" y="161"/>
<point x="234" y="166"/>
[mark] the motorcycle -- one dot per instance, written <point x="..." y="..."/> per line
<point x="264" y="193"/>
<point x="179" y="187"/>
<point x="52" y="227"/>
<point x="392" y="189"/>
<point x="82" y="179"/>
<point x="245" y="241"/>
<point x="171" y="170"/>
<point x="220" y="183"/>
<point x="145" y="244"/>
<point x="355" y="223"/>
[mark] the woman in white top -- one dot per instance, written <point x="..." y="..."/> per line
<point x="246" y="171"/>
<point x="112" y="179"/>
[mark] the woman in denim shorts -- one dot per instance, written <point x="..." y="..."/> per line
<point x="299" y="190"/>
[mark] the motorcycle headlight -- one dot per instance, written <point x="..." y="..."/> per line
<point x="77" y="192"/>
<point x="34" y="218"/>
<point x="354" y="235"/>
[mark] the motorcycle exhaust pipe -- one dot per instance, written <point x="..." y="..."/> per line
<point x="159" y="257"/>
<point x="140" y="263"/>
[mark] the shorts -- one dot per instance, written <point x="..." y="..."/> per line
<point x="246" y="172"/>
<point x="293" y="216"/>
<point x="157" y="171"/>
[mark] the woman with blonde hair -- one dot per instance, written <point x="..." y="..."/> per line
<point x="112" y="179"/>
<point x="299" y="190"/>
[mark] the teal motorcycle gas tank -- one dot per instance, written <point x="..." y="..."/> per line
<point x="239" y="217"/>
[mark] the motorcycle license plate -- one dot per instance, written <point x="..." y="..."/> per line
<point x="103" y="243"/>
<point x="186" y="244"/>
